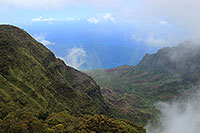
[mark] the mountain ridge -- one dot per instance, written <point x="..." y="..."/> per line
<point x="163" y="76"/>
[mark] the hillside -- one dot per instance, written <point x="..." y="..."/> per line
<point x="162" y="76"/>
<point x="33" y="77"/>
<point x="39" y="92"/>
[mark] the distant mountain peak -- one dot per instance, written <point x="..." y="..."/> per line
<point x="179" y="58"/>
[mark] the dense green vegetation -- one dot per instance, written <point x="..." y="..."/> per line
<point x="20" y="121"/>
<point x="39" y="93"/>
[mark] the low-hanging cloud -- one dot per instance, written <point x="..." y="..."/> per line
<point x="153" y="41"/>
<point x="75" y="57"/>
<point x="179" y="116"/>
<point x="42" y="39"/>
<point x="158" y="42"/>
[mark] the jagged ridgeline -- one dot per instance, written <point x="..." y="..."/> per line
<point x="39" y="93"/>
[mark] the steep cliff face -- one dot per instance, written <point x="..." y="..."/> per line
<point x="182" y="60"/>
<point x="32" y="77"/>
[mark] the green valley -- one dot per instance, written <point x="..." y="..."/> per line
<point x="163" y="76"/>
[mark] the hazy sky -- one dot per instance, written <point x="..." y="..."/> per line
<point x="93" y="25"/>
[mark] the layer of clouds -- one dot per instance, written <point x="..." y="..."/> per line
<point x="179" y="117"/>
<point x="99" y="18"/>
<point x="107" y="17"/>
<point x="50" y="20"/>
<point x="182" y="13"/>
<point x="42" y="39"/>
<point x="75" y="57"/>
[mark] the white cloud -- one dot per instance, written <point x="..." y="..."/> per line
<point x="178" y="117"/>
<point x="157" y="42"/>
<point x="37" y="19"/>
<point x="154" y="41"/>
<point x="41" y="19"/>
<point x="107" y="17"/>
<point x="75" y="57"/>
<point x="42" y="39"/>
<point x="93" y="20"/>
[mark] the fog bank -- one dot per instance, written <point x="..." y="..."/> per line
<point x="181" y="116"/>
